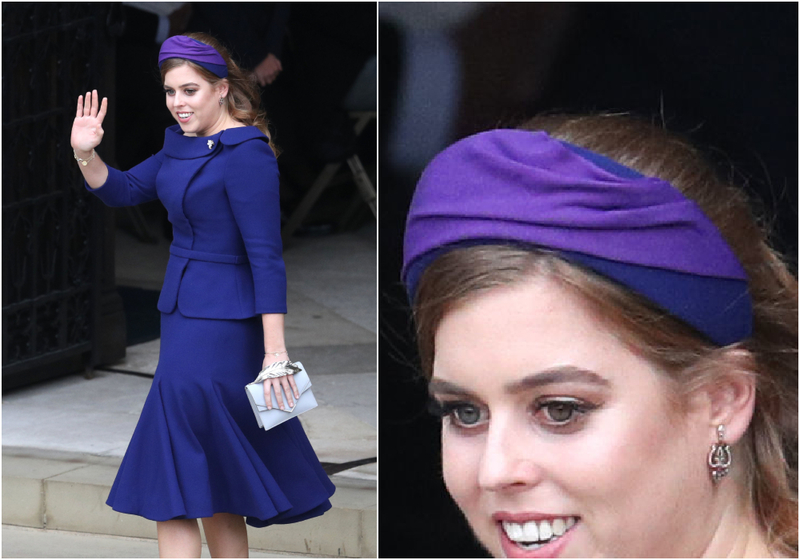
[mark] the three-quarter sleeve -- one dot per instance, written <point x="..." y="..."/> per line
<point x="132" y="187"/>
<point x="252" y="186"/>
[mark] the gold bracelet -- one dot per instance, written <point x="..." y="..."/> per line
<point x="84" y="162"/>
<point x="275" y="353"/>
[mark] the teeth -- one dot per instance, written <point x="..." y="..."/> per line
<point x="184" y="115"/>
<point x="532" y="535"/>
<point x="530" y="532"/>
<point x="515" y="531"/>
<point x="545" y="531"/>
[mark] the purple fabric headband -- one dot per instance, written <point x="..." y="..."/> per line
<point x="516" y="186"/>
<point x="181" y="46"/>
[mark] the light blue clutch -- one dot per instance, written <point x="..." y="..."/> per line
<point x="270" y="418"/>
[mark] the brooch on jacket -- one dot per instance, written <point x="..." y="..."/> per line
<point x="210" y="144"/>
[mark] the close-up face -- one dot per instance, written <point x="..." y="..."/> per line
<point x="557" y="440"/>
<point x="193" y="101"/>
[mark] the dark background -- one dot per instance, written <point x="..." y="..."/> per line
<point x="724" y="73"/>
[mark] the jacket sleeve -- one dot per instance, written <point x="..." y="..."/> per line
<point x="132" y="187"/>
<point x="251" y="183"/>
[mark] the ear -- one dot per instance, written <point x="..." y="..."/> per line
<point x="222" y="87"/>
<point x="731" y="394"/>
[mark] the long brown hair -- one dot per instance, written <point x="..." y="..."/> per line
<point x="769" y="448"/>
<point x="243" y="100"/>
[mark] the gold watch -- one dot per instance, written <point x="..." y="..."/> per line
<point x="84" y="162"/>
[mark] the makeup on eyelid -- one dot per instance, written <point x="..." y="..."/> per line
<point x="194" y="103"/>
<point x="548" y="417"/>
<point x="556" y="413"/>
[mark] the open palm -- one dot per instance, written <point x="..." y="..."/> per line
<point x="87" y="129"/>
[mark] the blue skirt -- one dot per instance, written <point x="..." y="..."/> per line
<point x="197" y="449"/>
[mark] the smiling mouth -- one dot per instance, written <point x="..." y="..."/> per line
<point x="533" y="535"/>
<point x="184" y="115"/>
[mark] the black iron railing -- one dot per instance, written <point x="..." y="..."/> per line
<point x="52" y="228"/>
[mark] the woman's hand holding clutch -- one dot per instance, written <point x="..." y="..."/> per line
<point x="283" y="372"/>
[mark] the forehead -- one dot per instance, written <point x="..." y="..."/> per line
<point x="182" y="75"/>
<point x="507" y="333"/>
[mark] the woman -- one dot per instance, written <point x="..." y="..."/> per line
<point x="197" y="451"/>
<point x="610" y="342"/>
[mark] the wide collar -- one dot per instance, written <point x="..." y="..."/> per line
<point x="178" y="146"/>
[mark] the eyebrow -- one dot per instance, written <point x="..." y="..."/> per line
<point x="555" y="375"/>
<point x="550" y="376"/>
<point x="182" y="85"/>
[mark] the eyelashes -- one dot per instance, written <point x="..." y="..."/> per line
<point x="563" y="410"/>
<point x="462" y="413"/>
<point x="558" y="414"/>
<point x="171" y="92"/>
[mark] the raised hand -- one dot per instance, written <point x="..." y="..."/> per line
<point x="87" y="129"/>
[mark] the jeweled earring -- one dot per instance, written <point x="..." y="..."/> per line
<point x="221" y="100"/>
<point x="719" y="458"/>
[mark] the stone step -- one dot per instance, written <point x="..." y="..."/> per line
<point x="28" y="542"/>
<point x="67" y="492"/>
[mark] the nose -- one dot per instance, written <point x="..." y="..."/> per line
<point x="177" y="99"/>
<point x="509" y="459"/>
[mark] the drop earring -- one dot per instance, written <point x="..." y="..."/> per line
<point x="221" y="100"/>
<point x="719" y="458"/>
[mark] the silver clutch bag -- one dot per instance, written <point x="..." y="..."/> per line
<point x="255" y="392"/>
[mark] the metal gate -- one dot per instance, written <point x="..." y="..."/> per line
<point x="52" y="227"/>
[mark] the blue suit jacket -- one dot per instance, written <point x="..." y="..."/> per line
<point x="221" y="193"/>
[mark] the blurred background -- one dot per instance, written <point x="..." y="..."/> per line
<point x="723" y="73"/>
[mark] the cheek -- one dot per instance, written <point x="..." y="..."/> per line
<point x="641" y="474"/>
<point x="460" y="458"/>
<point x="621" y="453"/>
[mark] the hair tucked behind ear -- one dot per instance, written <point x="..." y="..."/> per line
<point x="243" y="100"/>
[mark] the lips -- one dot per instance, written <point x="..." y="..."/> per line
<point x="183" y="116"/>
<point x="534" y="536"/>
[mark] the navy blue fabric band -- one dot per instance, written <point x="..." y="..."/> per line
<point x="603" y="162"/>
<point x="181" y="46"/>
<point x="518" y="188"/>
<point x="219" y="70"/>
<point x="719" y="308"/>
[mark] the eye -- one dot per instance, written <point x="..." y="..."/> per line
<point x="189" y="91"/>
<point x="466" y="414"/>
<point x="563" y="411"/>
<point x="463" y="414"/>
<point x="560" y="411"/>
<point x="169" y="91"/>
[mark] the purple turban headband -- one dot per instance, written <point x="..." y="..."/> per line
<point x="181" y="46"/>
<point x="522" y="187"/>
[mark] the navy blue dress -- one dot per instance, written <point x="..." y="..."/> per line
<point x="197" y="449"/>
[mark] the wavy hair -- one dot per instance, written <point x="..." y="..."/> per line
<point x="769" y="447"/>
<point x="243" y="100"/>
